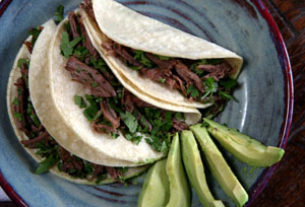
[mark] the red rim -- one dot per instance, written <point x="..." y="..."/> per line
<point x="289" y="96"/>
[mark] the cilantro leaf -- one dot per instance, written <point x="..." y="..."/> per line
<point x="211" y="87"/>
<point x="114" y="135"/>
<point x="134" y="138"/>
<point x="66" y="46"/>
<point x="91" y="112"/>
<point x="99" y="64"/>
<point x="130" y="121"/>
<point x="214" y="61"/>
<point x="139" y="56"/>
<point x="162" y="57"/>
<point x="23" y="61"/>
<point x="81" y="53"/>
<point x="59" y="14"/>
<point x="35" y="32"/>
<point x="31" y="113"/>
<point x="179" y="116"/>
<point x="192" y="91"/>
<point x="46" y="164"/>
<point x="18" y="116"/>
<point x="16" y="102"/>
<point x="227" y="96"/>
<point x="228" y="83"/>
<point x="80" y="101"/>
<point x="162" y="80"/>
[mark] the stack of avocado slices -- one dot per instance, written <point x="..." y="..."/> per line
<point x="166" y="184"/>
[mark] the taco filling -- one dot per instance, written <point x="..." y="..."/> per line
<point x="108" y="106"/>
<point x="41" y="141"/>
<point x="204" y="80"/>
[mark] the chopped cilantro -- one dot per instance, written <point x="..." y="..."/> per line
<point x="88" y="167"/>
<point x="94" y="84"/>
<point x="210" y="87"/>
<point x="140" y="56"/>
<point x="66" y="46"/>
<point x="23" y="61"/>
<point x="99" y="64"/>
<point x="80" y="101"/>
<point x="179" y="116"/>
<point x="59" y="14"/>
<point x="46" y="164"/>
<point x="81" y="53"/>
<point x="227" y="96"/>
<point x="134" y="138"/>
<point x="31" y="113"/>
<point x="130" y="121"/>
<point x="114" y="135"/>
<point x="214" y="61"/>
<point x="162" y="80"/>
<point x="134" y="67"/>
<point x="35" y="32"/>
<point x="192" y="91"/>
<point x="91" y="112"/>
<point x="162" y="57"/>
<point x="18" y="116"/>
<point x="228" y="83"/>
<point x="16" y="101"/>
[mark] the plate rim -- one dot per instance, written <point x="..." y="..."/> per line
<point x="282" y="52"/>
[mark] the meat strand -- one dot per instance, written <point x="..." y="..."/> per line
<point x="90" y="78"/>
<point x="110" y="114"/>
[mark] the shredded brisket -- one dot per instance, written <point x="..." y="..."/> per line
<point x="97" y="169"/>
<point x="163" y="64"/>
<point x="179" y="126"/>
<point x="43" y="136"/>
<point x="130" y="101"/>
<point x="68" y="161"/>
<point x="188" y="76"/>
<point x="20" y="107"/>
<point x="110" y="114"/>
<point x="73" y="24"/>
<point x="87" y="6"/>
<point x="115" y="174"/>
<point x="217" y="72"/>
<point x="174" y="72"/>
<point x="87" y="43"/>
<point x="98" y="127"/>
<point x="29" y="46"/>
<point x="90" y="78"/>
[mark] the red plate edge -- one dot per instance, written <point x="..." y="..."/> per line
<point x="289" y="96"/>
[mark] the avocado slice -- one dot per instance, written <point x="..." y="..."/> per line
<point x="243" y="147"/>
<point x="178" y="187"/>
<point x="219" y="167"/>
<point x="195" y="170"/>
<point x="155" y="190"/>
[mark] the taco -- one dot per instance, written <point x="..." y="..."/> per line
<point x="103" y="118"/>
<point x="29" y="128"/>
<point x="161" y="63"/>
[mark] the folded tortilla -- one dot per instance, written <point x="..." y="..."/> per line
<point x="79" y="137"/>
<point x="134" y="30"/>
<point x="37" y="85"/>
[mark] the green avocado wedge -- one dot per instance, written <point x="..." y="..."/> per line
<point x="243" y="147"/>
<point x="155" y="190"/>
<point x="219" y="167"/>
<point x="195" y="170"/>
<point x="180" y="195"/>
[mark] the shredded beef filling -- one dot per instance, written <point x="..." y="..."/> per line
<point x="113" y="108"/>
<point x="90" y="78"/>
<point x="173" y="72"/>
<point x="26" y="121"/>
